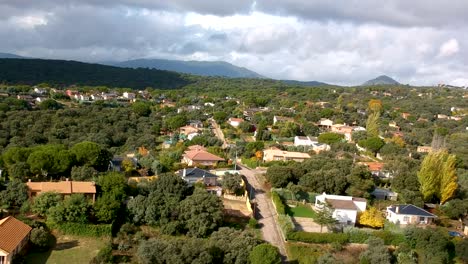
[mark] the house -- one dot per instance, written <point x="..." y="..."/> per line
<point x="195" y="123"/>
<point x="282" y="119"/>
<point x="377" y="169"/>
<point x="424" y="149"/>
<point x="129" y="96"/>
<point x="194" y="175"/>
<point x="40" y="90"/>
<point x="14" y="235"/>
<point x="198" y="155"/>
<point x="302" y="141"/>
<point x="384" y="194"/>
<point x="235" y="122"/>
<point x="310" y="142"/>
<point x="96" y="97"/>
<point x="345" y="208"/>
<point x="325" y="123"/>
<point x="405" y="115"/>
<point x="408" y="214"/>
<point x="273" y="154"/>
<point x="187" y="130"/>
<point x="343" y="129"/>
<point x="65" y="188"/>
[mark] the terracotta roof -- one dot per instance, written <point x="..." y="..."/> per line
<point x="12" y="232"/>
<point x="234" y="119"/>
<point x="342" y="204"/>
<point x="196" y="147"/>
<point x="63" y="187"/>
<point x="374" y="166"/>
<point x="201" y="155"/>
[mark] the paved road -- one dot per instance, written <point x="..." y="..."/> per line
<point x="264" y="211"/>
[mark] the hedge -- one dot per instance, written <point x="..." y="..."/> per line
<point x="360" y="236"/>
<point x="78" y="229"/>
<point x="318" y="238"/>
<point x="280" y="208"/>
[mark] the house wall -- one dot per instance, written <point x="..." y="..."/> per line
<point x="347" y="217"/>
<point x="407" y="219"/>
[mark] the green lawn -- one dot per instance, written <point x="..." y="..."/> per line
<point x="302" y="211"/>
<point x="68" y="250"/>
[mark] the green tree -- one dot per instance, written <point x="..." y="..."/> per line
<point x="44" y="201"/>
<point x="265" y="254"/>
<point x="373" y="144"/>
<point x="91" y="154"/>
<point x="232" y="183"/>
<point x="325" y="217"/>
<point x="50" y="104"/>
<point x="82" y="173"/>
<point x="279" y="176"/>
<point x="456" y="208"/>
<point x="42" y="239"/>
<point x="437" y="176"/>
<point x="15" y="195"/>
<point x="330" y="138"/>
<point x="202" y="213"/>
<point x="74" y="208"/>
<point x="141" y="108"/>
<point x="376" y="252"/>
<point x="372" y="124"/>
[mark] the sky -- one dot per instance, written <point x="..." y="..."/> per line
<point x="420" y="42"/>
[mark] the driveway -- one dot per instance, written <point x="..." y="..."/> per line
<point x="264" y="211"/>
<point x="218" y="133"/>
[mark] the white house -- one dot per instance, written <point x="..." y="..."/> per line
<point x="408" y="214"/>
<point x="128" y="95"/>
<point x="235" y="122"/>
<point x="345" y="208"/>
<point x="302" y="141"/>
<point x="325" y="122"/>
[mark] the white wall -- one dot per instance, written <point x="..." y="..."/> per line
<point x="343" y="216"/>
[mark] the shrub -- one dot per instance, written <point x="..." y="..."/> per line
<point x="286" y="224"/>
<point x="280" y="208"/>
<point x="79" y="229"/>
<point x="42" y="239"/>
<point x="265" y="254"/>
<point x="104" y="255"/>
<point x="253" y="223"/>
<point x="318" y="238"/>
<point x="357" y="236"/>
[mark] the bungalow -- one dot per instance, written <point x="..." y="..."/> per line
<point x="377" y="169"/>
<point x="302" y="141"/>
<point x="384" y="194"/>
<point x="65" y="188"/>
<point x="345" y="208"/>
<point x="129" y="96"/>
<point x="343" y="129"/>
<point x="187" y="130"/>
<point x="235" y="122"/>
<point x="310" y="142"/>
<point x="273" y="154"/>
<point x="325" y="123"/>
<point x="194" y="175"/>
<point x="408" y="214"/>
<point x="198" y="155"/>
<point x="14" y="235"/>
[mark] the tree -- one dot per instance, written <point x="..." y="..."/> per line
<point x="42" y="239"/>
<point x="234" y="246"/>
<point x="373" y="144"/>
<point x="50" y="104"/>
<point x="325" y="217"/>
<point x="360" y="182"/>
<point x="265" y="254"/>
<point x="202" y="213"/>
<point x="141" y="108"/>
<point x="137" y="209"/>
<point x="372" y="217"/>
<point x="330" y="138"/>
<point x="431" y="244"/>
<point x="456" y="208"/>
<point x="113" y="186"/>
<point x="376" y="252"/>
<point x="74" y="208"/>
<point x="372" y="124"/>
<point x="461" y="248"/>
<point x="437" y="176"/>
<point x="88" y="153"/>
<point x="15" y="195"/>
<point x="232" y="183"/>
<point x="44" y="201"/>
<point x="82" y="173"/>
<point x="279" y="176"/>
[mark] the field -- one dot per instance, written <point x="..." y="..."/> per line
<point x="302" y="211"/>
<point x="69" y="249"/>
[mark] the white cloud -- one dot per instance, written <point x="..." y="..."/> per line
<point x="449" y="48"/>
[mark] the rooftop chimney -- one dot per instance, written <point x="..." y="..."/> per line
<point x="397" y="209"/>
<point x="29" y="180"/>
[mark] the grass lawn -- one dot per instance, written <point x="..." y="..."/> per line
<point x="68" y="250"/>
<point x="302" y="211"/>
<point x="305" y="253"/>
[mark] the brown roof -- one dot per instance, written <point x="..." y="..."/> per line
<point x="12" y="232"/>
<point x="342" y="204"/>
<point x="201" y="155"/>
<point x="374" y="166"/>
<point x="63" y="187"/>
<point x="234" y="119"/>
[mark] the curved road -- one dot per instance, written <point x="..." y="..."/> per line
<point x="265" y="212"/>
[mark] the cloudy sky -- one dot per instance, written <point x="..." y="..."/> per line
<point x="420" y="42"/>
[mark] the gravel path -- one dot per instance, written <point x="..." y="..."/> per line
<point x="264" y="211"/>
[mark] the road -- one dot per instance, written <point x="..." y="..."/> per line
<point x="264" y="211"/>
<point x="219" y="133"/>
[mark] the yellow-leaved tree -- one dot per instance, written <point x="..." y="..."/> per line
<point x="372" y="217"/>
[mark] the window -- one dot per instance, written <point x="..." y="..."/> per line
<point x="422" y="219"/>
<point x="406" y="219"/>
<point x="2" y="260"/>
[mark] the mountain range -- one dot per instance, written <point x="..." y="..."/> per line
<point x="202" y="68"/>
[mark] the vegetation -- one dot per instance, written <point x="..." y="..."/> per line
<point x="265" y="254"/>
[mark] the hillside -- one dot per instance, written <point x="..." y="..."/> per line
<point x="61" y="72"/>
<point x="10" y="56"/>
<point x="203" y="68"/>
<point x="381" y="80"/>
<point x="301" y="83"/>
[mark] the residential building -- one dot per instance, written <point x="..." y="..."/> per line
<point x="343" y="129"/>
<point x="302" y="141"/>
<point x="194" y="175"/>
<point x="14" y="235"/>
<point x="405" y="214"/>
<point x="65" y="188"/>
<point x="310" y="142"/>
<point x="273" y="154"/>
<point x="345" y="208"/>
<point x="235" y="122"/>
<point x="424" y="149"/>
<point x="325" y="123"/>
<point x="377" y="169"/>
<point x="197" y="155"/>
<point x="186" y="130"/>
<point x="129" y="96"/>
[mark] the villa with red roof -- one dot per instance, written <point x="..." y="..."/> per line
<point x="197" y="155"/>
<point x="14" y="235"/>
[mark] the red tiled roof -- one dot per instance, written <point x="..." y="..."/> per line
<point x="12" y="232"/>
<point x="201" y="155"/>
<point x="63" y="187"/>
<point x="374" y="166"/>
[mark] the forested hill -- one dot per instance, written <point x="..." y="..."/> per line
<point x="63" y="73"/>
